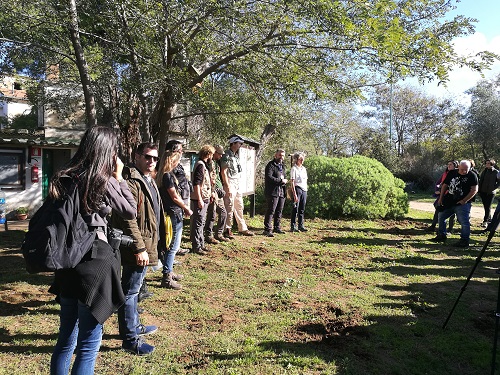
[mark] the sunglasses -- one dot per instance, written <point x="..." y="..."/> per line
<point x="151" y="157"/>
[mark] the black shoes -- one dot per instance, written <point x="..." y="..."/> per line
<point x="439" y="238"/>
<point x="462" y="243"/>
<point x="268" y="233"/>
<point x="278" y="230"/>
<point x="144" y="292"/>
<point x="302" y="229"/>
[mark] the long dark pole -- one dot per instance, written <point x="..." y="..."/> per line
<point x="497" y="323"/>
<point x="478" y="259"/>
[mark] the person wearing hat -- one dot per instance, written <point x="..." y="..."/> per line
<point x="233" y="199"/>
<point x="216" y="206"/>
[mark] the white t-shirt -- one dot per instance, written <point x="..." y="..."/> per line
<point x="299" y="176"/>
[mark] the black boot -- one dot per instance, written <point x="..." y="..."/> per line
<point x="143" y="292"/>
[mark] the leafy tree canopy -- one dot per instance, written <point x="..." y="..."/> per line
<point x="152" y="61"/>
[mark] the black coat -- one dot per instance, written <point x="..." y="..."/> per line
<point x="274" y="187"/>
<point x="95" y="281"/>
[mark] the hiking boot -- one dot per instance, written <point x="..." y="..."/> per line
<point x="211" y="240"/>
<point x="461" y="243"/>
<point x="439" y="238"/>
<point x="221" y="238"/>
<point x="200" y="252"/>
<point x="138" y="348"/>
<point x="143" y="330"/>
<point x="229" y="234"/>
<point x="169" y="282"/>
<point x="302" y="229"/>
<point x="206" y="249"/>
<point x="182" y="251"/>
<point x="278" y="230"/>
<point x="247" y="233"/>
<point x="177" y="276"/>
<point x="293" y="229"/>
<point x="140" y="310"/>
<point x="268" y="233"/>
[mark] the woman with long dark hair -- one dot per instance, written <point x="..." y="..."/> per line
<point x="90" y="292"/>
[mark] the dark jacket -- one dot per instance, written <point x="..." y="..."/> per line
<point x="488" y="181"/>
<point x="96" y="280"/>
<point x="274" y="187"/>
<point x="143" y="229"/>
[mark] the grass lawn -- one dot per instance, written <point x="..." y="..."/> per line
<point x="347" y="297"/>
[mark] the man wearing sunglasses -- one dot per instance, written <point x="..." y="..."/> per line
<point x="148" y="233"/>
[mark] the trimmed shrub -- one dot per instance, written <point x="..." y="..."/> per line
<point x="357" y="187"/>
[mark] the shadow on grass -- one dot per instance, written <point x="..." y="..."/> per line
<point x="24" y="348"/>
<point x="32" y="307"/>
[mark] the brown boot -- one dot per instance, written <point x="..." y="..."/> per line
<point x="177" y="276"/>
<point x="229" y="234"/>
<point x="211" y="240"/>
<point x="221" y="238"/>
<point x="169" y="282"/>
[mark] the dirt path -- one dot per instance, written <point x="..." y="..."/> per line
<point x="477" y="211"/>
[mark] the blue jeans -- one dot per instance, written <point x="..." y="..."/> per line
<point x="299" y="208"/>
<point x="175" y="244"/>
<point x="128" y="318"/>
<point x="463" y="217"/>
<point x="78" y="330"/>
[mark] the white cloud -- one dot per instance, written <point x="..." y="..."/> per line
<point x="462" y="79"/>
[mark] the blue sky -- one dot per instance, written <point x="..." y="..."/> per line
<point x="486" y="37"/>
<point x="485" y="11"/>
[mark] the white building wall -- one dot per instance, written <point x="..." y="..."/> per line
<point x="12" y="109"/>
<point x="31" y="196"/>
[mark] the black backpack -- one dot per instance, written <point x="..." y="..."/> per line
<point x="58" y="237"/>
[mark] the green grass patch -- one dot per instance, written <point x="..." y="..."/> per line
<point x="347" y="297"/>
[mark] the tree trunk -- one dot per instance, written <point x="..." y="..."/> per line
<point x="82" y="65"/>
<point x="162" y="115"/>
<point x="266" y="135"/>
<point x="144" y="113"/>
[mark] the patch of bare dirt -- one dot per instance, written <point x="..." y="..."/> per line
<point x="329" y="321"/>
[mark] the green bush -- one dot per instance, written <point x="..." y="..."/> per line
<point x="357" y="187"/>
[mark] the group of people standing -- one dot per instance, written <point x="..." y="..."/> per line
<point x="456" y="190"/>
<point x="142" y="200"/>
<point x="275" y="192"/>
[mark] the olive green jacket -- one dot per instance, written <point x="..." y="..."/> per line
<point x="143" y="229"/>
